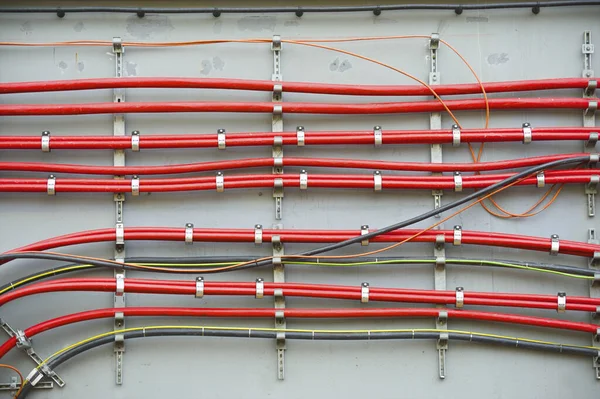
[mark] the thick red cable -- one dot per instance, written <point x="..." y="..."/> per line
<point x="311" y="236"/>
<point x="290" y="138"/>
<point x="286" y="161"/>
<point x="290" y="107"/>
<point x="293" y="87"/>
<point x="296" y="313"/>
<point x="62" y="185"/>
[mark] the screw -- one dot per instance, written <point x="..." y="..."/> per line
<point x="377" y="11"/>
<point x="299" y="12"/>
<point x="216" y="13"/>
<point x="588" y="47"/>
<point x="458" y="10"/>
<point x="60" y="14"/>
<point x="141" y="14"/>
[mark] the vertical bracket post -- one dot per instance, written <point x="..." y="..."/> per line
<point x="589" y="115"/>
<point x="594" y="264"/>
<point x="279" y="300"/>
<point x="439" y="251"/>
<point x="277" y="123"/>
<point x="119" y="198"/>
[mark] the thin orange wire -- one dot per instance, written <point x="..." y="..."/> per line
<point x="8" y="366"/>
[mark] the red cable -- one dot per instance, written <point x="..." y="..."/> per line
<point x="290" y="107"/>
<point x="290" y="138"/>
<point x="296" y="313"/>
<point x="286" y="161"/>
<point x="62" y="185"/>
<point x="293" y="87"/>
<point x="311" y="236"/>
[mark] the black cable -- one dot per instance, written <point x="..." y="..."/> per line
<point x="141" y="11"/>
<point x="308" y="335"/>
<point x="57" y="271"/>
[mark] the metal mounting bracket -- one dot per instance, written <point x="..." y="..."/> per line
<point x="279" y="300"/>
<point x="13" y="386"/>
<point x="589" y="115"/>
<point x="119" y="198"/>
<point x="24" y="344"/>
<point x="435" y="118"/>
<point x="277" y="123"/>
<point x="595" y="293"/>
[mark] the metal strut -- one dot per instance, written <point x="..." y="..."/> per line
<point x="277" y="123"/>
<point x="119" y="198"/>
<point x="279" y="302"/>
<point x="589" y="115"/>
<point x="24" y="343"/>
<point x="439" y="251"/>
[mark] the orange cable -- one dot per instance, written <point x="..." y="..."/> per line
<point x="8" y="366"/>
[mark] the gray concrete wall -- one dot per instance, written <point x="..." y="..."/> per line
<point x="501" y="45"/>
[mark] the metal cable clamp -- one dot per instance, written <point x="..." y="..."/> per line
<point x="457" y="239"/>
<point x="300" y="135"/>
<point x="561" y="302"/>
<point x="189" y="233"/>
<point x="199" y="287"/>
<point x="258" y="234"/>
<point x="590" y="90"/>
<point x="260" y="288"/>
<point x="377" y="181"/>
<point x="135" y="141"/>
<point x="23" y="342"/>
<point x="119" y="234"/>
<point x="364" y="229"/>
<point x="303" y="180"/>
<point x="51" y="185"/>
<point x="220" y="180"/>
<point x="458" y="182"/>
<point x="277" y="109"/>
<point x="135" y="185"/>
<point x="120" y="288"/>
<point x="554" y="244"/>
<point x="278" y="182"/>
<point x="591" y="109"/>
<point x="45" y="143"/>
<point x="541" y="179"/>
<point x="277" y="91"/>
<point x="442" y="317"/>
<point x="377" y="136"/>
<point x="455" y="135"/>
<point x="364" y="292"/>
<point x="221" y="144"/>
<point x="527" y="136"/>
<point x="595" y="259"/>
<point x="592" y="141"/>
<point x="460" y="297"/>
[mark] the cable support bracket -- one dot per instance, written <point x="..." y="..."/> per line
<point x="135" y="141"/>
<point x="455" y="135"/>
<point x="561" y="302"/>
<point x="460" y="298"/>
<point x="541" y="179"/>
<point x="554" y="245"/>
<point x="189" y="233"/>
<point x="199" y="287"/>
<point x="279" y="300"/>
<point x="377" y="136"/>
<point x="51" y="185"/>
<point x="303" y="180"/>
<point x="221" y="139"/>
<point x="24" y="343"/>
<point x="135" y="185"/>
<point x="277" y="122"/>
<point x="364" y="230"/>
<point x="220" y="182"/>
<point x="300" y="133"/>
<point x="364" y="292"/>
<point x="119" y="198"/>
<point x="457" y="238"/>
<point x="258" y="234"/>
<point x="594" y="264"/>
<point x="527" y="134"/>
<point x="591" y="189"/>
<point x="458" y="182"/>
<point x="377" y="181"/>
<point x="45" y="141"/>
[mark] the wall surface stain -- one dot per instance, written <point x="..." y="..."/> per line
<point x="79" y="26"/>
<point x="383" y="21"/>
<point x="257" y="23"/>
<point x="151" y="25"/>
<point x="498" y="58"/>
<point x="292" y="22"/>
<point x="477" y="19"/>
<point x="27" y="28"/>
<point x="63" y="65"/>
<point x="340" y="67"/>
<point x="218" y="63"/>
<point x="206" y="67"/>
<point x="80" y="66"/>
<point x="130" y="68"/>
